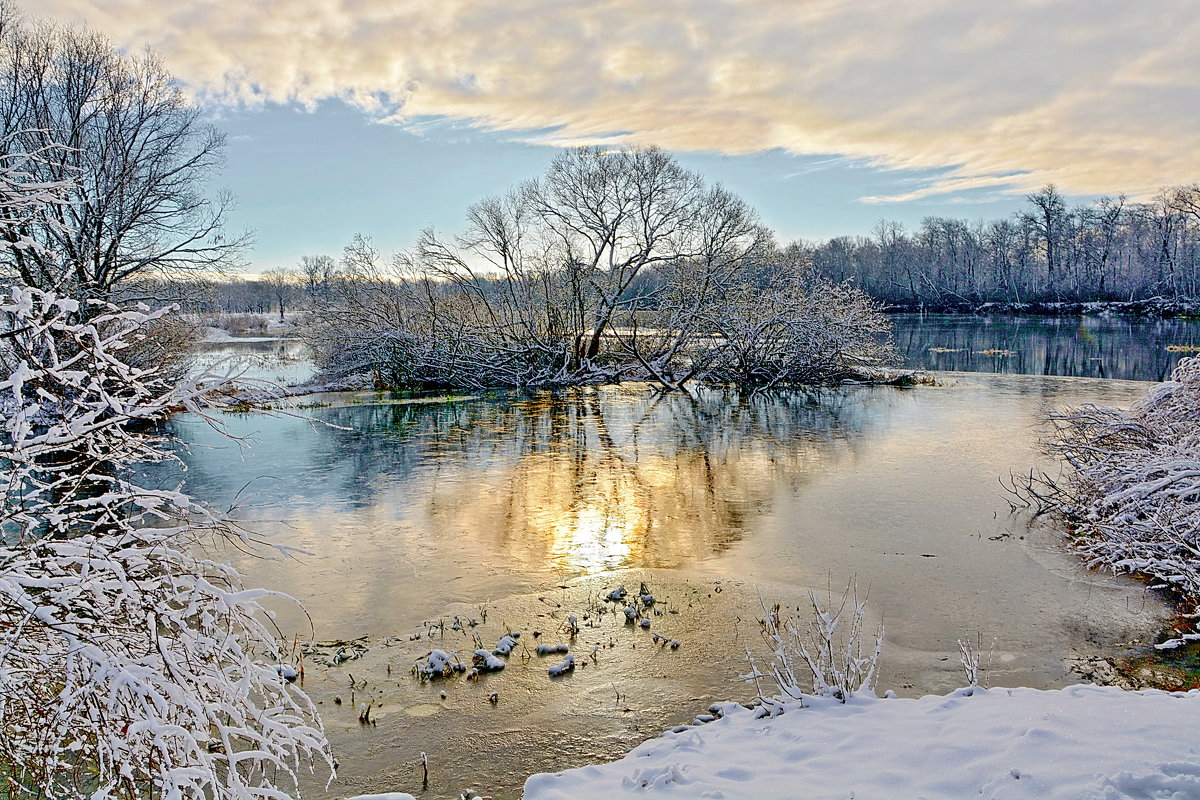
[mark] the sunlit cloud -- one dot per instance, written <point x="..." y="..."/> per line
<point x="1095" y="97"/>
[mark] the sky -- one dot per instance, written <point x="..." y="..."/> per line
<point x="383" y="117"/>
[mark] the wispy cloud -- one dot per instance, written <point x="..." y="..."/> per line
<point x="1095" y="97"/>
<point x="820" y="165"/>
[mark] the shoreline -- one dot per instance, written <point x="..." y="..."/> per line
<point x="1150" y="308"/>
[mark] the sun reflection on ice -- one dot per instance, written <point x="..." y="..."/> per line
<point x="589" y="522"/>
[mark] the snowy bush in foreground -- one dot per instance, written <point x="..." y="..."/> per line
<point x="130" y="666"/>
<point x="1132" y="493"/>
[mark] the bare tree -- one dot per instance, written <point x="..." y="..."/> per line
<point x="1049" y="220"/>
<point x="1100" y="229"/>
<point x="283" y="286"/>
<point x="1186" y="200"/>
<point x="134" y="150"/>
<point x="545" y="276"/>
<point x="614" y="265"/>
<point x="318" y="273"/>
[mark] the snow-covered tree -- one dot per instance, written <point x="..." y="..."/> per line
<point x="130" y="664"/>
<point x="1131" y="493"/>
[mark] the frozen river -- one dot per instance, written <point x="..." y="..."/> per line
<point x="530" y="507"/>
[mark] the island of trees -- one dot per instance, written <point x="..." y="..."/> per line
<point x="615" y="265"/>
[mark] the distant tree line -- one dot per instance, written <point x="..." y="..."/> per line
<point x="1048" y="252"/>
<point x="1110" y="250"/>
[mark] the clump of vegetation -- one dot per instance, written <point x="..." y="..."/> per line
<point x="830" y="644"/>
<point x="614" y="265"/>
<point x="1131" y="490"/>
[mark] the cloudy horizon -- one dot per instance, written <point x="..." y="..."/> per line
<point x="942" y="102"/>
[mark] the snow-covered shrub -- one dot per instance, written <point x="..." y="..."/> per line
<point x="130" y="665"/>
<point x="1131" y="490"/>
<point x="563" y="667"/>
<point x="506" y="644"/>
<point x="968" y="657"/>
<point x="488" y="662"/>
<point x="438" y="664"/>
<point x="829" y="644"/>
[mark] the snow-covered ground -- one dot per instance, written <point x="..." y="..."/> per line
<point x="1074" y="743"/>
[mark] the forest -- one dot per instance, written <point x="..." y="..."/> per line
<point x="1111" y="250"/>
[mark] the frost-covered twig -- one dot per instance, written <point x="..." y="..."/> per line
<point x="830" y="645"/>
<point x="968" y="656"/>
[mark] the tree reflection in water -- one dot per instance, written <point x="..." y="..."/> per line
<point x="574" y="481"/>
<point x="592" y="479"/>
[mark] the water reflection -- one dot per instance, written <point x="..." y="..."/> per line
<point x="278" y="361"/>
<point x="606" y="479"/>
<point x="1100" y="347"/>
<point x="405" y="508"/>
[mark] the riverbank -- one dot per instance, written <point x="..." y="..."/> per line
<point x="1079" y="742"/>
<point x="1148" y="308"/>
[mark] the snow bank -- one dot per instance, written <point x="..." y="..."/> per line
<point x="1073" y="743"/>
<point x="210" y="334"/>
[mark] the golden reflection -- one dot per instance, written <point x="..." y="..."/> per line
<point x="586" y="522"/>
<point x="406" y="508"/>
<point x="604" y="480"/>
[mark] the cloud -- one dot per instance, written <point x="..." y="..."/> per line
<point x="1095" y="97"/>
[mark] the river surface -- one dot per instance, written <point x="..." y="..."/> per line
<point x="1096" y="347"/>
<point x="429" y="523"/>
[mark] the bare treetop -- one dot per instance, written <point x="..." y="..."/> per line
<point x="135" y="150"/>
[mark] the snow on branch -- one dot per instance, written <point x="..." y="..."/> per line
<point x="1131" y="493"/>
<point x="130" y="665"/>
<point x="831" y="645"/>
